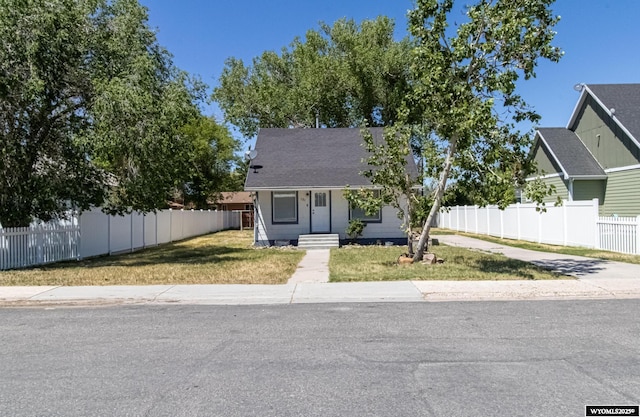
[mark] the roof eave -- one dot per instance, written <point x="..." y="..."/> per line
<point x="589" y="177"/>
<point x="564" y="171"/>
<point x="306" y="187"/>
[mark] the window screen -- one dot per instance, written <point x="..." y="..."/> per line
<point x="285" y="207"/>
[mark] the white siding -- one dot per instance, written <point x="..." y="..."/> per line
<point x="266" y="231"/>
<point x="389" y="228"/>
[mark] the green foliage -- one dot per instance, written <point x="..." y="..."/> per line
<point x="342" y="74"/>
<point x="464" y="79"/>
<point x="537" y="190"/>
<point x="210" y="151"/>
<point x="355" y="228"/>
<point x="92" y="111"/>
<point x="44" y="90"/>
<point x="395" y="184"/>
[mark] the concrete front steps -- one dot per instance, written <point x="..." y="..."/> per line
<point x="326" y="241"/>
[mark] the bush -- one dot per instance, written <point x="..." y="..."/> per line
<point x="355" y="228"/>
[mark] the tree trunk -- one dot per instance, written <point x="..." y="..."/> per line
<point x="437" y="201"/>
<point x="408" y="215"/>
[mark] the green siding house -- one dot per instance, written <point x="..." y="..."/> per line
<point x="598" y="154"/>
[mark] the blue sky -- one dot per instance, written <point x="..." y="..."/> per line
<point x="601" y="39"/>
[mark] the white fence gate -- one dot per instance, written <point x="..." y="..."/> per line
<point x="94" y="233"/>
<point x="39" y="244"/>
<point x="575" y="223"/>
<point x="619" y="234"/>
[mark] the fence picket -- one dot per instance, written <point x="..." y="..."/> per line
<point x="43" y="243"/>
<point x="576" y="223"/>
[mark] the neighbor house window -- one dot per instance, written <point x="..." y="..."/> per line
<point x="358" y="213"/>
<point x="285" y="207"/>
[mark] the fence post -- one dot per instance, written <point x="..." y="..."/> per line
<point x="540" y="226"/>
<point x="109" y="233"/>
<point x="131" y="232"/>
<point x="638" y="235"/>
<point x="518" y="220"/>
<point x="170" y="225"/>
<point x="486" y="210"/>
<point x="564" y="225"/>
<point x="596" y="215"/>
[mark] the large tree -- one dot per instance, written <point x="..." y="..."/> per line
<point x="464" y="79"/>
<point x="91" y="110"/>
<point x="340" y="75"/>
<point x="211" y="154"/>
<point x="44" y="94"/>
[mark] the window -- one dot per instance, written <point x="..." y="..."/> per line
<point x="285" y="207"/>
<point x="321" y="199"/>
<point x="358" y="213"/>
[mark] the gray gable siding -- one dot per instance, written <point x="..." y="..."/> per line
<point x="311" y="158"/>
<point x="625" y="99"/>
<point x="545" y="164"/>
<point x="603" y="137"/>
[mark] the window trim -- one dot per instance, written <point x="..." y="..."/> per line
<point x="370" y="220"/>
<point x="273" y="211"/>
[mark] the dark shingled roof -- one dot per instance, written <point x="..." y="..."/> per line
<point x="570" y="152"/>
<point x="625" y="99"/>
<point x="305" y="158"/>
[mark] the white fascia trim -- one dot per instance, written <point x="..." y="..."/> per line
<point x="544" y="177"/>
<point x="564" y="172"/>
<point x="620" y="169"/>
<point x="302" y="187"/>
<point x="589" y="177"/>
<point x="574" y="115"/>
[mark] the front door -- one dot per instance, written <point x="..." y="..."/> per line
<point x="320" y="212"/>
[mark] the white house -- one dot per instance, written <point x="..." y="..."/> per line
<point x="298" y="177"/>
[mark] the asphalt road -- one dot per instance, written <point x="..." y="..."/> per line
<point x="527" y="358"/>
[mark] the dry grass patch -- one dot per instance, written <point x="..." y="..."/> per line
<point x="378" y="263"/>
<point x="220" y="258"/>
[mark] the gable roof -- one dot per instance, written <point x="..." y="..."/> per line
<point x="312" y="158"/>
<point x="624" y="99"/>
<point x="570" y="154"/>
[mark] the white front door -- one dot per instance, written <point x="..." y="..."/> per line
<point x="320" y="212"/>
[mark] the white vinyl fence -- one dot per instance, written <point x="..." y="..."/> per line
<point x="94" y="233"/>
<point x="575" y="223"/>
<point x="619" y="234"/>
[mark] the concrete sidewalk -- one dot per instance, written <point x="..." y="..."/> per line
<point x="596" y="279"/>
<point x="576" y="266"/>
<point x="314" y="267"/>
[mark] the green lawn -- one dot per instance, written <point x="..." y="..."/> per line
<point x="220" y="258"/>
<point x="378" y="263"/>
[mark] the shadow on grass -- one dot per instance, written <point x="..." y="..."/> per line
<point x="177" y="255"/>
<point x="506" y="267"/>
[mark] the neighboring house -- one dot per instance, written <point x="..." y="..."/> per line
<point x="298" y="179"/>
<point x="238" y="200"/>
<point x="598" y="154"/>
<point x="235" y="200"/>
